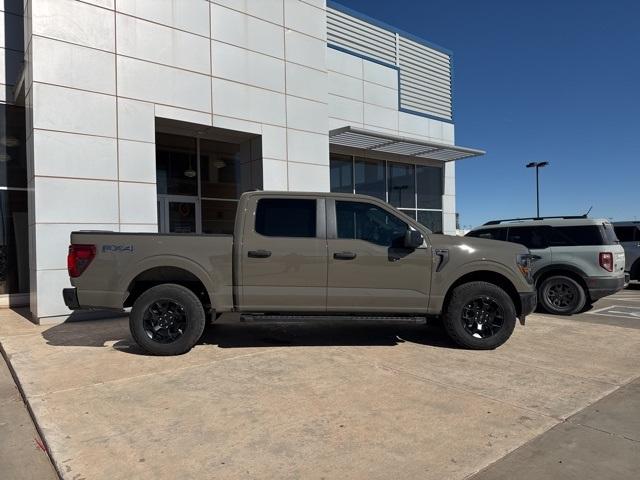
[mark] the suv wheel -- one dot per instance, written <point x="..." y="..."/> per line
<point x="167" y="320"/>
<point x="479" y="316"/>
<point x="561" y="295"/>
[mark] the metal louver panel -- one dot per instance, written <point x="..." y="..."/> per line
<point x="354" y="34"/>
<point x="425" y="79"/>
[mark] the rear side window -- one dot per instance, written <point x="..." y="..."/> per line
<point x="627" y="234"/>
<point x="530" y="237"/>
<point x="582" y="235"/>
<point x="609" y="234"/>
<point x="490" y="233"/>
<point x="284" y="217"/>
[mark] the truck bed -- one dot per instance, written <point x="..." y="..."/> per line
<point x="122" y="258"/>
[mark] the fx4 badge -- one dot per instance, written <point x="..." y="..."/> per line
<point x="117" y="248"/>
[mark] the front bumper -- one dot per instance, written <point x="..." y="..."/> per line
<point x="70" y="296"/>
<point x="600" y="287"/>
<point x="528" y="303"/>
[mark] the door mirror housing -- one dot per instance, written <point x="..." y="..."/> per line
<point x="413" y="239"/>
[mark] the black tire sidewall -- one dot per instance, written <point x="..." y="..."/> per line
<point x="578" y="304"/>
<point x="193" y="310"/>
<point x="452" y="318"/>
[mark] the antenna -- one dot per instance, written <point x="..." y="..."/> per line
<point x="588" y="211"/>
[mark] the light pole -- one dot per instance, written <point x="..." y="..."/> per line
<point x="537" y="165"/>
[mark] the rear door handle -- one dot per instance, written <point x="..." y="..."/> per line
<point x="344" y="255"/>
<point x="259" y="253"/>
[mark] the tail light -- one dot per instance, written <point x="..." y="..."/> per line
<point x="606" y="261"/>
<point x="79" y="258"/>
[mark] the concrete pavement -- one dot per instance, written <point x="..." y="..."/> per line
<point x="347" y="401"/>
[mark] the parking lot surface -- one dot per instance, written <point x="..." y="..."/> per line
<point x="317" y="401"/>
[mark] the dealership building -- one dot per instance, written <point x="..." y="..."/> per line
<point x="155" y="115"/>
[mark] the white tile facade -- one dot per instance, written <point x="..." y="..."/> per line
<point x="99" y="73"/>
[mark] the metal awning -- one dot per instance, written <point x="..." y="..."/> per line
<point x="368" y="140"/>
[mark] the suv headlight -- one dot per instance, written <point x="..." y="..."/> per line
<point x="525" y="262"/>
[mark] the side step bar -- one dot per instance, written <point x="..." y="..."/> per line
<point x="329" y="318"/>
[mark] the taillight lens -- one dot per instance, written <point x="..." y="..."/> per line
<point x="79" y="258"/>
<point x="606" y="261"/>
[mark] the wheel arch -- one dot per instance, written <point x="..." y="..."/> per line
<point x="488" y="276"/>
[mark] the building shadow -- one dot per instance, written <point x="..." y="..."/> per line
<point x="115" y="331"/>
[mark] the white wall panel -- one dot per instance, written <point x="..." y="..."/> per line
<point x="137" y="161"/>
<point x="69" y="65"/>
<point x="165" y="85"/>
<point x="157" y="43"/>
<point x="250" y="103"/>
<point x="69" y="110"/>
<point x="269" y="10"/>
<point x="189" y="15"/>
<point x="241" y="65"/>
<point x="307" y="82"/>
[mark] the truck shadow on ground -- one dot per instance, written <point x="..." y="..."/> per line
<point x="115" y="332"/>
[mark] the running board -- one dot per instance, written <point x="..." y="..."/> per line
<point x="247" y="317"/>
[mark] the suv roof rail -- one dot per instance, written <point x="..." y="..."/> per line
<point x="567" y="217"/>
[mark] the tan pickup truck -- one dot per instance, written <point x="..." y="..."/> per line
<point x="308" y="256"/>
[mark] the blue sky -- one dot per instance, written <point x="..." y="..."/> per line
<point x="543" y="80"/>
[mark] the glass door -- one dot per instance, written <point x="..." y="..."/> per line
<point x="178" y="214"/>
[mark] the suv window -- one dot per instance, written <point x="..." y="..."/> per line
<point x="582" y="235"/>
<point x="627" y="234"/>
<point x="530" y="237"/>
<point x="284" y="217"/>
<point x="490" y="233"/>
<point x="364" y="221"/>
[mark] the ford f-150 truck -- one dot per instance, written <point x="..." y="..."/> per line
<point x="307" y="256"/>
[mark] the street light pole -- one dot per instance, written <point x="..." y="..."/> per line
<point x="538" y="166"/>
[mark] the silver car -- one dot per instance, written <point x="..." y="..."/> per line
<point x="629" y="235"/>
<point x="580" y="258"/>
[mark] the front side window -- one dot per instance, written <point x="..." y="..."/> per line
<point x="490" y="234"/>
<point x="531" y="237"/>
<point x="284" y="217"/>
<point x="364" y="221"/>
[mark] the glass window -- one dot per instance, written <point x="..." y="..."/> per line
<point x="13" y="159"/>
<point x="280" y="217"/>
<point x="430" y="189"/>
<point x="220" y="168"/>
<point x="218" y="216"/>
<point x="402" y="185"/>
<point x="341" y="172"/>
<point x="490" y="233"/>
<point x="627" y="234"/>
<point x="182" y="217"/>
<point x="530" y="237"/>
<point x="14" y="244"/>
<point x="431" y="220"/>
<point x="176" y="165"/>
<point x="364" y="221"/>
<point x="369" y="178"/>
<point x="578" y="235"/>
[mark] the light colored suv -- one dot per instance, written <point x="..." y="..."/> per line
<point x="580" y="258"/>
<point x="629" y="235"/>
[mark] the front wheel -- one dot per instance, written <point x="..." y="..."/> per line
<point x="479" y="316"/>
<point x="561" y="295"/>
<point x="167" y="319"/>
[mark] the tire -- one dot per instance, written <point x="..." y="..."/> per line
<point x="561" y="295"/>
<point x="167" y="319"/>
<point x="479" y="316"/>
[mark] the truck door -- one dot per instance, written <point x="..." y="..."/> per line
<point x="283" y="256"/>
<point x="370" y="270"/>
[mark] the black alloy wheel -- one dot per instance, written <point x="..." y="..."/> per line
<point x="482" y="317"/>
<point x="165" y="321"/>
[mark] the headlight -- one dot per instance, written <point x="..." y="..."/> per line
<point x="525" y="262"/>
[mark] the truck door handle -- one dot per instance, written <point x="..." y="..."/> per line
<point x="259" y="253"/>
<point x="344" y="255"/>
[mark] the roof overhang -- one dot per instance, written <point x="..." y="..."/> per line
<point x="371" y="141"/>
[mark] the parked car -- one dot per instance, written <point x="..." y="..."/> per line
<point x="580" y="259"/>
<point x="629" y="235"/>
<point x="302" y="254"/>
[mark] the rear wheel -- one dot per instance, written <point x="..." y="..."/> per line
<point x="167" y="320"/>
<point x="479" y="316"/>
<point x="561" y="295"/>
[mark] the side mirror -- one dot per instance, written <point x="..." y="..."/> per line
<point x="413" y="239"/>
